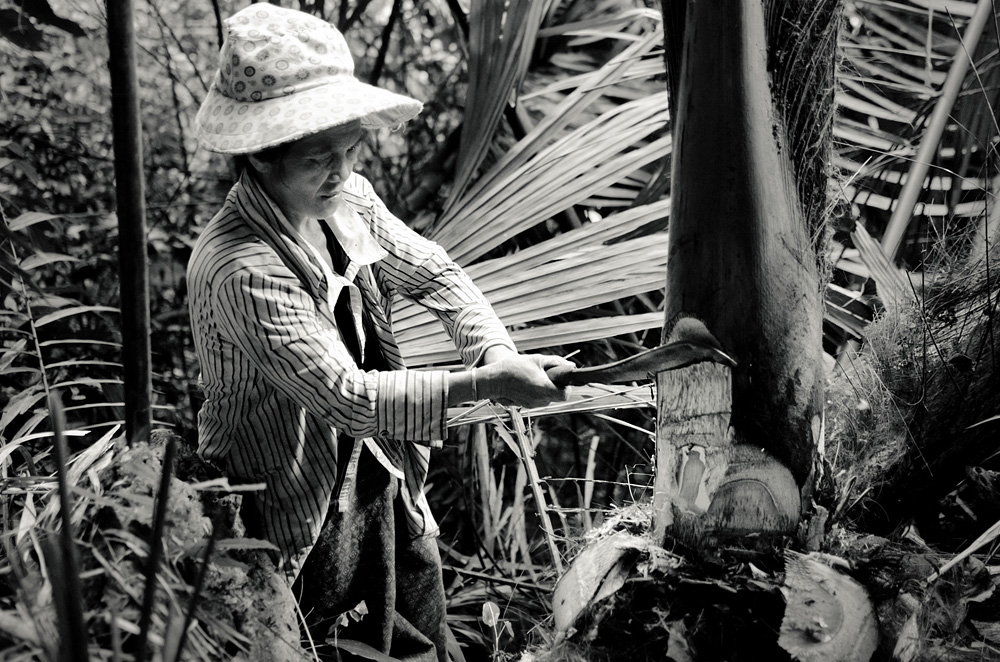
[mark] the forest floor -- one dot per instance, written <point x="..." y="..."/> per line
<point x="899" y="560"/>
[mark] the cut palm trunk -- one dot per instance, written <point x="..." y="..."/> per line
<point x="738" y="448"/>
<point x="734" y="450"/>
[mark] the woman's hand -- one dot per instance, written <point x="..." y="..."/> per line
<point x="520" y="379"/>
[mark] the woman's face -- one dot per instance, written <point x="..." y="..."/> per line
<point x="308" y="179"/>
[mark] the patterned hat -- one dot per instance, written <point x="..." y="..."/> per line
<point x="284" y="74"/>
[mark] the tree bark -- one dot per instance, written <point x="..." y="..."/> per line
<point x="709" y="490"/>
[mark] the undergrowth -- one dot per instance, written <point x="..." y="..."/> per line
<point x="216" y="596"/>
<point x="868" y="401"/>
<point x="186" y="585"/>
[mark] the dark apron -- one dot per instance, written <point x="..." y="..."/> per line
<point x="359" y="556"/>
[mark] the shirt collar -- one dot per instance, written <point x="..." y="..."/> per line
<point x="267" y="219"/>
<point x="354" y="234"/>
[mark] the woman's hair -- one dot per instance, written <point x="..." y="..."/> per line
<point x="241" y="162"/>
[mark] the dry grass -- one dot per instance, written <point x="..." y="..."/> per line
<point x="240" y="612"/>
<point x="868" y="407"/>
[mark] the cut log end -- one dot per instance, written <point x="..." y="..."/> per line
<point x="710" y="490"/>
<point x="756" y="501"/>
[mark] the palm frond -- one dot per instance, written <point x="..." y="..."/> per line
<point x="896" y="60"/>
<point x="506" y="197"/>
<point x="501" y="36"/>
<point x="591" y="265"/>
<point x="582" y="399"/>
<point x="594" y="145"/>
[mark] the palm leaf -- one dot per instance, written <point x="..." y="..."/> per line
<point x="896" y="61"/>
<point x="591" y="143"/>
<point x="592" y="128"/>
<point x="499" y="34"/>
<point x="573" y="270"/>
<point x="536" y="167"/>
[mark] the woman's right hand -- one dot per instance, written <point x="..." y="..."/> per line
<point x="520" y="380"/>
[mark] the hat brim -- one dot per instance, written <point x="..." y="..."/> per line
<point x="230" y="126"/>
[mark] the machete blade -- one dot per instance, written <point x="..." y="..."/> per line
<point x="643" y="365"/>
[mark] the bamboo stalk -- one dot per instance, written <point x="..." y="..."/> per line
<point x="130" y="195"/>
<point x="901" y="215"/>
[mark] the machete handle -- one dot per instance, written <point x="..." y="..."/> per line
<point x="563" y="376"/>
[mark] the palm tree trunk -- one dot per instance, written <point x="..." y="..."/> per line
<point x="742" y="261"/>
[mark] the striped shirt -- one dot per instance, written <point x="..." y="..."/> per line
<point x="278" y="379"/>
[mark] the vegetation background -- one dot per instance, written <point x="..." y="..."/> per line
<point x="541" y="162"/>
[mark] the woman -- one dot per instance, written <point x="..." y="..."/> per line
<point x="306" y="390"/>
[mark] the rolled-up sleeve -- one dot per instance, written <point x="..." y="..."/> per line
<point x="275" y="322"/>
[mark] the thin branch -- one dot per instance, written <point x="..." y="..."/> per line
<point x="355" y="16"/>
<point x="383" y="49"/>
<point x="186" y="52"/>
<point x="172" y="76"/>
<point x="218" y="22"/>
<point x="342" y="15"/>
<point x="131" y="200"/>
<point x="535" y="482"/>
<point x="461" y="20"/>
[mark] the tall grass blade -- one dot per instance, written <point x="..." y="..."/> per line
<point x="588" y="484"/>
<point x="65" y="572"/>
<point x="69" y="312"/>
<point x="487" y="488"/>
<point x="359" y="649"/>
<point x="27" y="219"/>
<point x="155" y="549"/>
<point x="199" y="585"/>
<point x="451" y="644"/>
<point x="517" y="532"/>
<point x="535" y="482"/>
<point x="984" y="421"/>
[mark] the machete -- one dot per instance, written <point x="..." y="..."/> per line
<point x="689" y="343"/>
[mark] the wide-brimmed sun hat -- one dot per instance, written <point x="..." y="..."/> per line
<point x="284" y="74"/>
